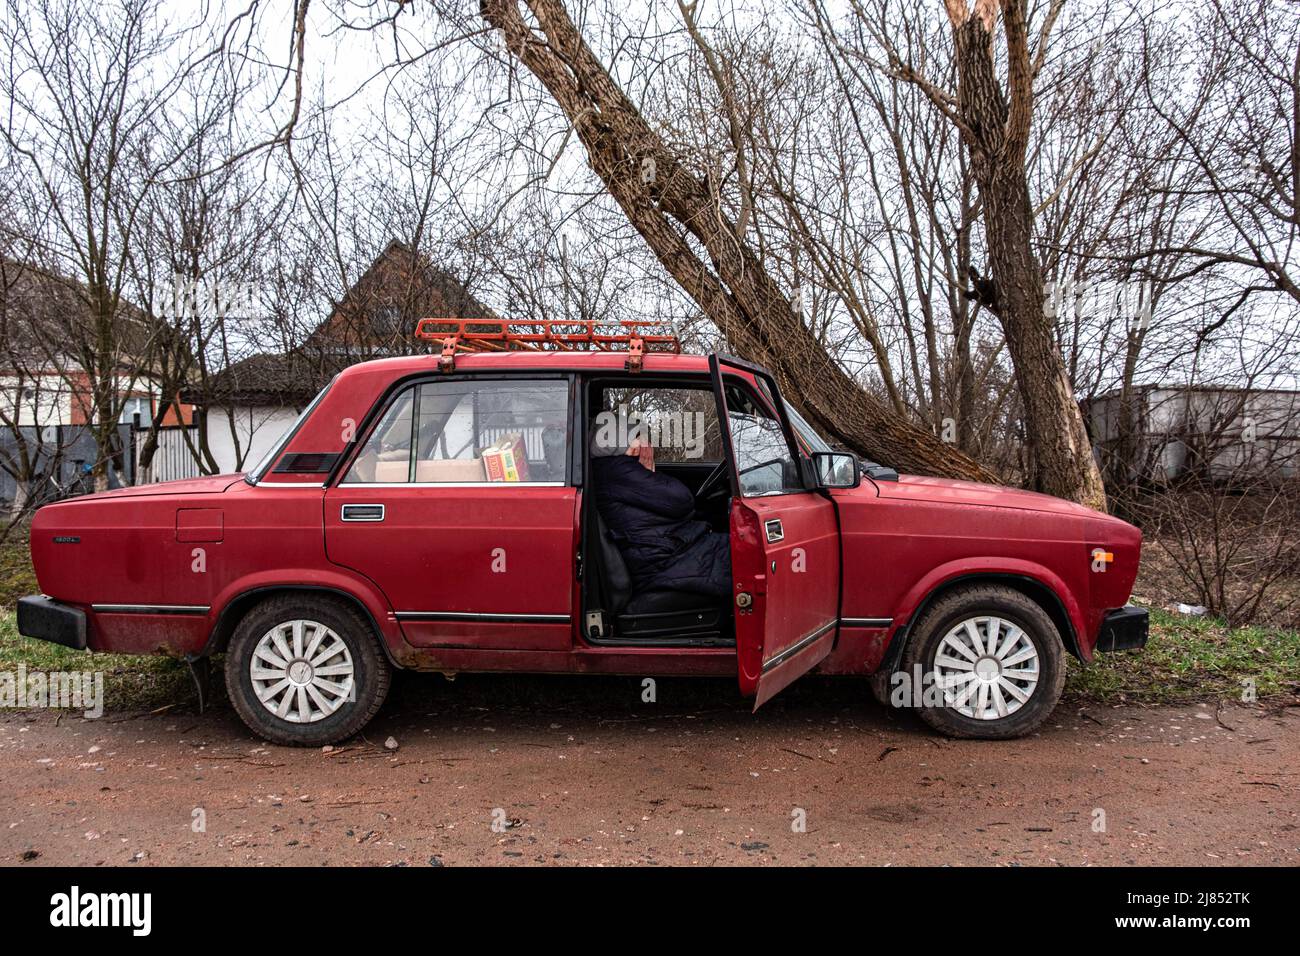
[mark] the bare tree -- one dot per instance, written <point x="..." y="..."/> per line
<point x="1240" y="133"/>
<point x="674" y="204"/>
<point x="83" y="87"/>
<point x="915" y="181"/>
<point x="995" y="116"/>
<point x="206" y="231"/>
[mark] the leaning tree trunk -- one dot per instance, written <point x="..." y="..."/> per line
<point x="1060" y="452"/>
<point x="995" y="126"/>
<point x="667" y="201"/>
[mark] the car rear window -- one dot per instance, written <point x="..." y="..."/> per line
<point x="255" y="474"/>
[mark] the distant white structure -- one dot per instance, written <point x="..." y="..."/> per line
<point x="1219" y="433"/>
<point x="239" y="437"/>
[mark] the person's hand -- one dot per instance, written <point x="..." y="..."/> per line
<point x="644" y="452"/>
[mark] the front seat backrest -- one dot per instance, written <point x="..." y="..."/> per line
<point x="613" y="570"/>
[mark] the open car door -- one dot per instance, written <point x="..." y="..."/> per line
<point x="785" y="546"/>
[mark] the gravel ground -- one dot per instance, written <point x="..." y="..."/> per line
<point x="563" y="770"/>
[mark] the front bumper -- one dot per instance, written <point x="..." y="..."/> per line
<point x="1123" y="629"/>
<point x="48" y="620"/>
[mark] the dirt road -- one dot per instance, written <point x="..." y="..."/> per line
<point x="559" y="770"/>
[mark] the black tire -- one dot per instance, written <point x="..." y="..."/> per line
<point x="372" y="673"/>
<point x="1009" y="605"/>
<point x="880" y="687"/>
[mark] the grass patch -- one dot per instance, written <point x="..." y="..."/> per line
<point x="131" y="683"/>
<point x="1193" y="658"/>
<point x="17" y="578"/>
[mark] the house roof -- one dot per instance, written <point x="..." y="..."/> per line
<point x="286" y="378"/>
<point x="378" y="314"/>
<point x="46" y="322"/>
<point x="376" y="318"/>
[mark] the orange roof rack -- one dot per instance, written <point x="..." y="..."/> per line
<point x="561" y="335"/>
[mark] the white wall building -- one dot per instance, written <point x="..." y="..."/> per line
<point x="239" y="436"/>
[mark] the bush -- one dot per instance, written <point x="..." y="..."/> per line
<point x="1235" y="549"/>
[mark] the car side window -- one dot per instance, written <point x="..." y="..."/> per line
<point x="469" y="432"/>
<point x="764" y="465"/>
<point x="680" y="423"/>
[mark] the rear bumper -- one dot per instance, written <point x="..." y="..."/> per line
<point x="48" y="620"/>
<point x="1123" y="629"/>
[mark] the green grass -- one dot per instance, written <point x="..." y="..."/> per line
<point x="17" y="578"/>
<point x="131" y="683"/>
<point x="1190" y="659"/>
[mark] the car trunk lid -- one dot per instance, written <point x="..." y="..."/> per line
<point x="206" y="484"/>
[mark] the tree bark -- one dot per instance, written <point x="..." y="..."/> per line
<point x="995" y="126"/>
<point x="733" y="289"/>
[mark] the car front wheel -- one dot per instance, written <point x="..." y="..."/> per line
<point x="305" y="671"/>
<point x="991" y="660"/>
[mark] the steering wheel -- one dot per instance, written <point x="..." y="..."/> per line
<point x="707" y="487"/>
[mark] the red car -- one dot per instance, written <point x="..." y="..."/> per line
<point x="437" y="513"/>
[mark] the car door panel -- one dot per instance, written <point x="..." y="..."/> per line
<point x="454" y="505"/>
<point x="785" y="553"/>
<point x="794" y="583"/>
<point x="488" y="566"/>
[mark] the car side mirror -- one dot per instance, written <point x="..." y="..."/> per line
<point x="836" y="469"/>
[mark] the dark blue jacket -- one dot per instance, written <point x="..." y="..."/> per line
<point x="650" y="517"/>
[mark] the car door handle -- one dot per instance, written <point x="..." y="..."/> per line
<point x="363" y="513"/>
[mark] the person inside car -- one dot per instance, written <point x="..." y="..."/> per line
<point x="651" y="518"/>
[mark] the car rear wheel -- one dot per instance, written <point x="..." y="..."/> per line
<point x="305" y="671"/>
<point x="991" y="660"/>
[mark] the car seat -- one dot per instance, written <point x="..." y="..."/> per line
<point x="660" y="614"/>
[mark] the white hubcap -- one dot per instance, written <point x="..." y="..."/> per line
<point x="987" y="668"/>
<point x="302" y="671"/>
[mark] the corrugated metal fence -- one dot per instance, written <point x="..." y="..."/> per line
<point x="171" y="460"/>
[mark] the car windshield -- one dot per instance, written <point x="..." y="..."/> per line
<point x="807" y="437"/>
<point x="254" y="475"/>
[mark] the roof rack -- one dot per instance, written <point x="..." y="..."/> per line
<point x="562" y="335"/>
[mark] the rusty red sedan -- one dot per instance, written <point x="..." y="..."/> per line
<point x="437" y="513"/>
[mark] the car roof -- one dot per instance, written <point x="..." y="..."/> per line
<point x="540" y="360"/>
